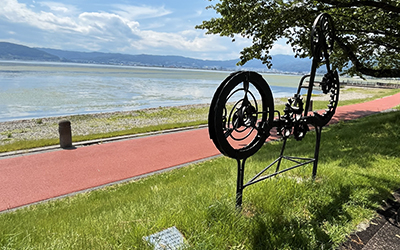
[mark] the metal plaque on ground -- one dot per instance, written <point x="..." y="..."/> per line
<point x="168" y="239"/>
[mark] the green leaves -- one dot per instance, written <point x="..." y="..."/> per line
<point x="368" y="32"/>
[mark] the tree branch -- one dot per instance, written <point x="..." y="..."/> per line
<point x="365" y="70"/>
<point x="380" y="5"/>
<point x="375" y="32"/>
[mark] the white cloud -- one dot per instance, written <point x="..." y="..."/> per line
<point x="106" y="24"/>
<point x="59" y="7"/>
<point x="199" y="12"/>
<point x="15" y="12"/>
<point x="193" y="41"/>
<point x="85" y="23"/>
<point x="117" y="30"/>
<point x="139" y="12"/>
<point x="280" y="47"/>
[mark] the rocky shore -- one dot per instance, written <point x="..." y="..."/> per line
<point x="47" y="128"/>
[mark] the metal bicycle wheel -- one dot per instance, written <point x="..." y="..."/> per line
<point x="241" y="114"/>
<point x="332" y="80"/>
<point x="322" y="42"/>
<point x="211" y="113"/>
<point x="322" y="37"/>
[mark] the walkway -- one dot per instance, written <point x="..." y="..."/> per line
<point x="37" y="177"/>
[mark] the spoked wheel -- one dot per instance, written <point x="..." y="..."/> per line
<point x="330" y="85"/>
<point x="322" y="42"/>
<point x="241" y="115"/>
<point x="322" y="37"/>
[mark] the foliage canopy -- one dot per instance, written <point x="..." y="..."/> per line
<point x="367" y="31"/>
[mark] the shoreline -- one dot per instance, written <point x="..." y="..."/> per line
<point x="105" y="114"/>
<point x="277" y="101"/>
<point x="106" y="122"/>
<point x="95" y="123"/>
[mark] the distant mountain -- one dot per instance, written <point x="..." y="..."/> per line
<point x="11" y="51"/>
<point x="288" y="63"/>
<point x="140" y="60"/>
<point x="281" y="63"/>
<point x="284" y="63"/>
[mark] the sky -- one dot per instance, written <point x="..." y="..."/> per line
<point x="119" y="26"/>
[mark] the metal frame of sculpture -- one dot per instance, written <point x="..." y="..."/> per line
<point x="242" y="111"/>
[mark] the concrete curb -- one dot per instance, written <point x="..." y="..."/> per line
<point x="97" y="141"/>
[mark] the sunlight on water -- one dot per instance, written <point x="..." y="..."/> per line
<point x="34" y="90"/>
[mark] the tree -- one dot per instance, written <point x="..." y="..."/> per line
<point x="367" y="31"/>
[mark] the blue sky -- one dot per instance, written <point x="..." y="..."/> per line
<point x="120" y="26"/>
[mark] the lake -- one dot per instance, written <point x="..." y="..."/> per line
<point x="40" y="89"/>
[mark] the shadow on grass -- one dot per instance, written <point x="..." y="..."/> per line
<point x="359" y="142"/>
<point x="300" y="234"/>
<point x="350" y="178"/>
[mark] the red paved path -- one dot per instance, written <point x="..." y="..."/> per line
<point x="31" y="178"/>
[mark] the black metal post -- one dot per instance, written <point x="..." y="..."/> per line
<point x="239" y="186"/>
<point x="281" y="155"/>
<point x="311" y="85"/>
<point x="318" y="131"/>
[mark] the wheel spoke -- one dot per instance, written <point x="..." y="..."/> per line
<point x="228" y="132"/>
<point x="242" y="101"/>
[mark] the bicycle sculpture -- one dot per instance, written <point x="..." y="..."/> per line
<point x="241" y="114"/>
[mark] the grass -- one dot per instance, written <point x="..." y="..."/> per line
<point x="375" y="94"/>
<point x="359" y="167"/>
<point x="27" y="144"/>
<point x="171" y="118"/>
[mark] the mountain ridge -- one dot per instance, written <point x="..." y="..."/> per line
<point x="11" y="51"/>
<point x="281" y="63"/>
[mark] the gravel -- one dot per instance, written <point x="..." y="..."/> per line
<point x="47" y="128"/>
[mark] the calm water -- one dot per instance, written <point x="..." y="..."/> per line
<point x="34" y="90"/>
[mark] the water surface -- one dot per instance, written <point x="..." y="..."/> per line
<point x="35" y="89"/>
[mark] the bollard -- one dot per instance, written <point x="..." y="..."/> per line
<point x="310" y="107"/>
<point x="64" y="128"/>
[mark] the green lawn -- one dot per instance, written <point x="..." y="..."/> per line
<point x="359" y="167"/>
